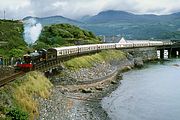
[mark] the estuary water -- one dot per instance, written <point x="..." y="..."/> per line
<point x="151" y="93"/>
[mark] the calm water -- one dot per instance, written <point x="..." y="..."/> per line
<point x="152" y="93"/>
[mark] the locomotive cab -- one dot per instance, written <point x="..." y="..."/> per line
<point x="27" y="58"/>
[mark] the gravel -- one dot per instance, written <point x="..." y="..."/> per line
<point x="68" y="102"/>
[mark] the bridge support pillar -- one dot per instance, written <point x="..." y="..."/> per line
<point x="162" y="54"/>
<point x="169" y="52"/>
<point x="174" y="53"/>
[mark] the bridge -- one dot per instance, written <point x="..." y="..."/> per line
<point x="170" y="50"/>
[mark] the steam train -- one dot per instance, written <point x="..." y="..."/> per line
<point x="41" y="56"/>
<point x="30" y="59"/>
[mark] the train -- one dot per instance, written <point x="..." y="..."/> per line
<point x="42" y="56"/>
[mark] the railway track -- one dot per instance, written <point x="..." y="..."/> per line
<point x="8" y="79"/>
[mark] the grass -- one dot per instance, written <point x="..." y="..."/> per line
<point x="88" y="60"/>
<point x="22" y="93"/>
<point x="36" y="84"/>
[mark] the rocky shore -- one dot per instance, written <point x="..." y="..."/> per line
<point x="77" y="94"/>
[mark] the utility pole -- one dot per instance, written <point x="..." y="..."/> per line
<point x="4" y="14"/>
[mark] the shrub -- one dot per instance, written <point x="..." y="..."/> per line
<point x="16" y="113"/>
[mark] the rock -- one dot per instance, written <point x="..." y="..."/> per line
<point x="113" y="82"/>
<point x="126" y="68"/>
<point x="138" y="62"/>
<point x="86" y="91"/>
<point x="176" y="65"/>
<point x="99" y="88"/>
<point x="119" y="76"/>
<point x="129" y="56"/>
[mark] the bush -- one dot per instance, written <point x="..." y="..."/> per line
<point x="16" y="113"/>
<point x="16" y="53"/>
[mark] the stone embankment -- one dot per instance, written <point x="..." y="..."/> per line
<point x="78" y="93"/>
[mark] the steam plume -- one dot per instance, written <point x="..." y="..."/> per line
<point x="32" y="30"/>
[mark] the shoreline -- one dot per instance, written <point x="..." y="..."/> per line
<point x="80" y="101"/>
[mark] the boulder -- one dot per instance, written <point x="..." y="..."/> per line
<point x="99" y="88"/>
<point x="86" y="91"/>
<point x="113" y="82"/>
<point x="138" y="62"/>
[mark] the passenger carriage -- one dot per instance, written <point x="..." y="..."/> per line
<point x="137" y="43"/>
<point x="155" y="43"/>
<point x="106" y="46"/>
<point x="124" y="45"/>
<point x="87" y="48"/>
<point x="54" y="53"/>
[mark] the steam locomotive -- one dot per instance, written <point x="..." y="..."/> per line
<point x="30" y="59"/>
<point x="41" y="56"/>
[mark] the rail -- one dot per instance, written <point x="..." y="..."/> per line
<point x="8" y="79"/>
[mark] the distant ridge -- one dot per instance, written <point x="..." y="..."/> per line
<point x="111" y="15"/>
<point x="116" y="16"/>
<point x="53" y="20"/>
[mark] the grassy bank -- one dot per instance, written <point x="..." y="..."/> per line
<point x="88" y="60"/>
<point x="17" y="99"/>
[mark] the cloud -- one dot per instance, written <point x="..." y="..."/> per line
<point x="77" y="8"/>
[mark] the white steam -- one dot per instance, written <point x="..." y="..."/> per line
<point x="32" y="30"/>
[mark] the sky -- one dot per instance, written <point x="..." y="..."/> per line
<point x="74" y="9"/>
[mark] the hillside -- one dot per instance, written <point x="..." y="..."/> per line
<point x="11" y="35"/>
<point x="64" y="35"/>
<point x="53" y="20"/>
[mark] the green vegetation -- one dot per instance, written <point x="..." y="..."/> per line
<point x="11" y="32"/>
<point x="88" y="60"/>
<point x="64" y="35"/>
<point x="17" y="99"/>
<point x="12" y="43"/>
<point x="170" y="35"/>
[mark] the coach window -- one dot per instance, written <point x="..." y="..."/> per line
<point x="60" y="52"/>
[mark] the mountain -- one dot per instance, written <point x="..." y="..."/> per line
<point x="129" y="25"/>
<point x="53" y="20"/>
<point x="109" y="16"/>
<point x="112" y="16"/>
<point x="133" y="26"/>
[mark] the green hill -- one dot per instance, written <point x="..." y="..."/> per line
<point x="11" y="38"/>
<point x="12" y="43"/>
<point x="64" y="35"/>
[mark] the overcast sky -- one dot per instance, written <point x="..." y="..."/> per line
<point x="18" y="9"/>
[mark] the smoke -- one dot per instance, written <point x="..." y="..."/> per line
<point x="32" y="30"/>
